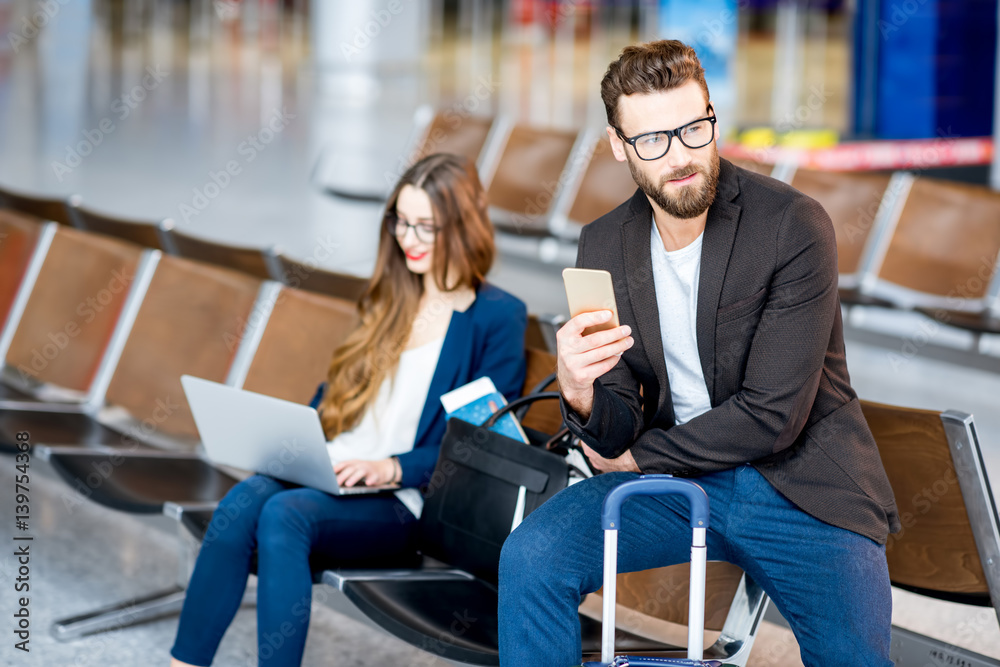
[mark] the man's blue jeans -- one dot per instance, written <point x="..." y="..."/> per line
<point x="293" y="530"/>
<point x="831" y="585"/>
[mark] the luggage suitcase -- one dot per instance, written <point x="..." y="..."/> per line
<point x="655" y="485"/>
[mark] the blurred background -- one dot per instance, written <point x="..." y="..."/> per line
<point x="135" y="105"/>
<point x="282" y="125"/>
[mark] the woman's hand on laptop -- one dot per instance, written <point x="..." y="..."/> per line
<point x="372" y="473"/>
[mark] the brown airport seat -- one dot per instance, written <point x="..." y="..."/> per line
<point x="543" y="416"/>
<point x="943" y="250"/>
<point x="18" y="238"/>
<point x="290" y="360"/>
<point x="72" y="311"/>
<point x="947" y="510"/>
<point x="191" y="321"/>
<point x="975" y="254"/>
<point x="605" y="184"/>
<point x="247" y="260"/>
<point x="141" y="232"/>
<point x="541" y="332"/>
<point x="453" y="132"/>
<point x="62" y="339"/>
<point x="43" y="208"/>
<point x="293" y="356"/>
<point x="528" y="177"/>
<point x="446" y="131"/>
<point x="852" y="200"/>
<point x="308" y="276"/>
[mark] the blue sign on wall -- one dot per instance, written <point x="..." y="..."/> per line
<point x="710" y="26"/>
<point x="925" y="68"/>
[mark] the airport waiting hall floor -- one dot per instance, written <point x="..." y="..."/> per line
<point x="72" y="121"/>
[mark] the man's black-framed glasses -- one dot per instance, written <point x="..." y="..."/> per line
<point x="654" y="145"/>
<point x="398" y="226"/>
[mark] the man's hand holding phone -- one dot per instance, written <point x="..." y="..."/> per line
<point x="584" y="358"/>
<point x="588" y="346"/>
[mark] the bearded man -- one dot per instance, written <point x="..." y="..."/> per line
<point x="728" y="366"/>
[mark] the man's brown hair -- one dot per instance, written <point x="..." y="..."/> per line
<point x="649" y="68"/>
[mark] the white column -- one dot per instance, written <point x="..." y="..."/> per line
<point x="368" y="36"/>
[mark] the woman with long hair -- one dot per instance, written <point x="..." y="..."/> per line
<point x="428" y="323"/>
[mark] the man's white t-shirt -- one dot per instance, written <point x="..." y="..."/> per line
<point x="675" y="278"/>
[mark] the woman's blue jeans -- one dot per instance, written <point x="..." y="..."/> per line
<point x="293" y="530"/>
<point x="831" y="585"/>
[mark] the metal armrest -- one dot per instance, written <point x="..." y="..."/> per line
<point x="176" y="511"/>
<point x="45" y="452"/>
<point x="339" y="578"/>
<point x="41" y="406"/>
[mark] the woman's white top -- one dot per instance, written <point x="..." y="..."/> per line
<point x="389" y="426"/>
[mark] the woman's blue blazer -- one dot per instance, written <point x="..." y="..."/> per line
<point x="485" y="340"/>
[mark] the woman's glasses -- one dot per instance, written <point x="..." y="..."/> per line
<point x="398" y="226"/>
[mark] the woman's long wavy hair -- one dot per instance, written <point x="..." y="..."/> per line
<point x="463" y="254"/>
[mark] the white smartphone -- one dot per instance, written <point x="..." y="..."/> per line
<point x="588" y="290"/>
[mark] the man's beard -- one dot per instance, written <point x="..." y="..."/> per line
<point x="691" y="200"/>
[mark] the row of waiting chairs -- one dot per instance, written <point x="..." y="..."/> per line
<point x="17" y="210"/>
<point x="539" y="181"/>
<point x="910" y="242"/>
<point x="175" y="316"/>
<point x="162" y="235"/>
<point x="123" y="360"/>
<point x="904" y="241"/>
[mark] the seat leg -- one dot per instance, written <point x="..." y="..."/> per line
<point x="121" y="615"/>
<point x="739" y="632"/>
<point x="158" y="605"/>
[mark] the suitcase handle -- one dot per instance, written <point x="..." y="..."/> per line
<point x="654" y="485"/>
<point x="611" y="518"/>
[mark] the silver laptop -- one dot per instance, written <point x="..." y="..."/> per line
<point x="266" y="435"/>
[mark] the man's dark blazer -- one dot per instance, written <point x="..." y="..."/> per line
<point x="771" y="343"/>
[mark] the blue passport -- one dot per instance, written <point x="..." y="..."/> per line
<point x="476" y="402"/>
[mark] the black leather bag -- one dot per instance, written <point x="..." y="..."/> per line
<point x="472" y="499"/>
